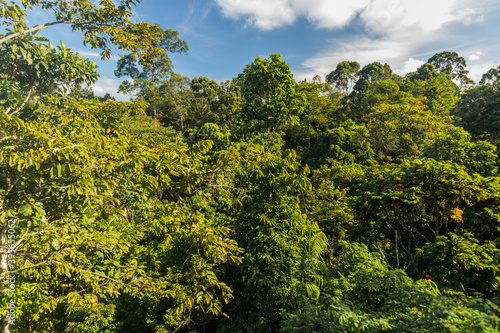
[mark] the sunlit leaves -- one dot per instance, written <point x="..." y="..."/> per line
<point x="268" y="91"/>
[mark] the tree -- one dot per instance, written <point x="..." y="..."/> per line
<point x="155" y="67"/>
<point x="491" y="77"/>
<point x="322" y="103"/>
<point x="451" y="64"/>
<point x="417" y="202"/>
<point x="478" y="112"/>
<point x="436" y="90"/>
<point x="363" y="294"/>
<point x="455" y="146"/>
<point x="370" y="74"/>
<point x="401" y="131"/>
<point x="228" y="106"/>
<point x="270" y="99"/>
<point x="175" y="101"/>
<point x="343" y="79"/>
<point x="205" y="93"/>
<point x="281" y="262"/>
<point x="347" y="144"/>
<point x="58" y="186"/>
<point x="32" y="70"/>
<point x="35" y="68"/>
<point x="344" y="76"/>
<point x="461" y="262"/>
<point x="103" y="23"/>
<point x="374" y="95"/>
<point x="73" y="243"/>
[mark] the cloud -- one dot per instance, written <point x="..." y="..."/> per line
<point x="477" y="70"/>
<point x="395" y="50"/>
<point x="410" y="65"/>
<point x="89" y="54"/>
<point x="394" y="32"/>
<point x="384" y="16"/>
<point x="265" y="14"/>
<point x="328" y="13"/>
<point x="476" y="56"/>
<point x="377" y="15"/>
<point x="108" y="85"/>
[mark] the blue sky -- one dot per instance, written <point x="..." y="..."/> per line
<point x="313" y="36"/>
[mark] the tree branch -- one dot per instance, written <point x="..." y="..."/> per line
<point x="45" y="25"/>
<point x="22" y="105"/>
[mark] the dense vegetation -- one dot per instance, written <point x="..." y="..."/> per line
<point x="368" y="202"/>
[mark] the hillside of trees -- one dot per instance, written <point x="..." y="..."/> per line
<point x="364" y="201"/>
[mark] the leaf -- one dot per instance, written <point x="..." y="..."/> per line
<point x="26" y="210"/>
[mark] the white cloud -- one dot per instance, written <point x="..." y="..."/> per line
<point x="384" y="16"/>
<point x="476" y="56"/>
<point x="89" y="54"/>
<point x="394" y="50"/>
<point x="328" y="13"/>
<point x="410" y="65"/>
<point x="265" y="14"/>
<point x="378" y="15"/>
<point x="108" y="85"/>
<point x="389" y="31"/>
<point x="395" y="31"/>
<point x="477" y="70"/>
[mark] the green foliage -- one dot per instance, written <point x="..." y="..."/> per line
<point x="155" y="67"/>
<point x="384" y="91"/>
<point x="370" y="74"/>
<point x="281" y="262"/>
<point x="401" y="131"/>
<point x="175" y="104"/>
<point x="362" y="294"/>
<point x="491" y="76"/>
<point x="347" y="144"/>
<point x="417" y="202"/>
<point x="344" y="76"/>
<point x="124" y="225"/>
<point x="103" y="23"/>
<point x="452" y="64"/>
<point x="322" y="104"/>
<point x="269" y="94"/>
<point x="460" y="262"/>
<point x="74" y="239"/>
<point x="328" y="202"/>
<point x="37" y="69"/>
<point x="455" y="147"/>
<point x="437" y="91"/>
<point x="92" y="318"/>
<point x="478" y="112"/>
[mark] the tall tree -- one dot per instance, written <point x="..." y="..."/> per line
<point x="150" y="68"/>
<point x="491" y="77"/>
<point x="478" y="112"/>
<point x="452" y="64"/>
<point x="436" y="90"/>
<point x="103" y="23"/>
<point x="270" y="99"/>
<point x="322" y="104"/>
<point x="281" y="262"/>
<point x="344" y="76"/>
<point x="176" y="101"/>
<point x="205" y="93"/>
<point x="372" y="73"/>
